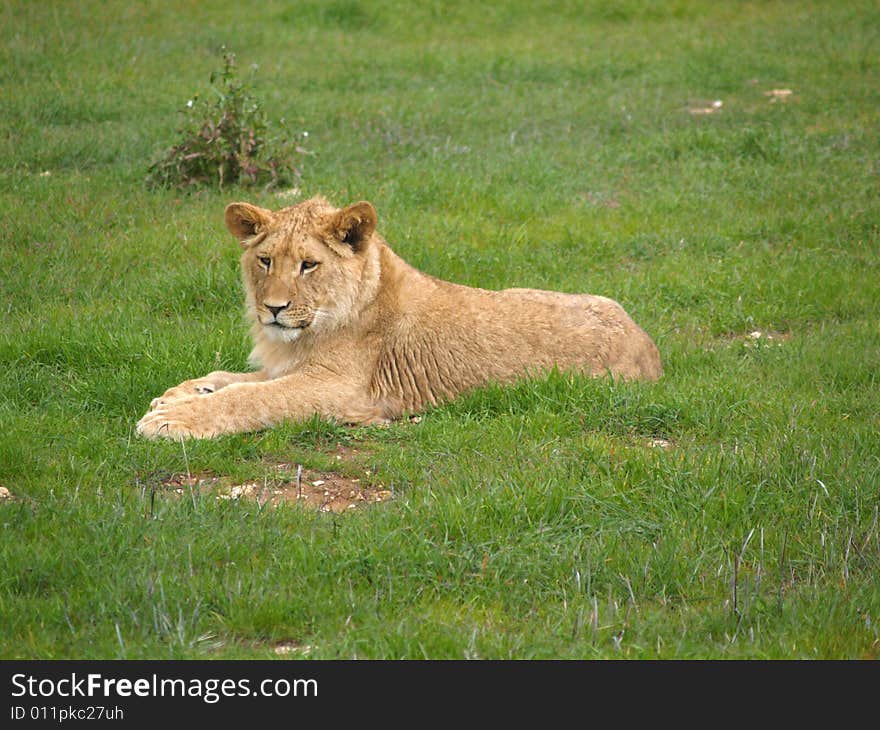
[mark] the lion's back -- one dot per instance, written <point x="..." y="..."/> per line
<point x="589" y="330"/>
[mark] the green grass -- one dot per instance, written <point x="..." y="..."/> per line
<point x="515" y="144"/>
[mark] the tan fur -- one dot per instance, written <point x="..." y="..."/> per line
<point x="363" y="337"/>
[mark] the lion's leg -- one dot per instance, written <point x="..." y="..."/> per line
<point x="211" y="383"/>
<point x="249" y="406"/>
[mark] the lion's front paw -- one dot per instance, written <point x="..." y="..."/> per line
<point x="199" y="386"/>
<point x="179" y="419"/>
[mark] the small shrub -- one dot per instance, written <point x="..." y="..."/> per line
<point x="228" y="140"/>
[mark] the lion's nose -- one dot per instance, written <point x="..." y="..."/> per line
<point x="275" y="310"/>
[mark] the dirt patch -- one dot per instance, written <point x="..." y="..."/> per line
<point x="770" y="335"/>
<point x="701" y="108"/>
<point x="777" y="95"/>
<point x="757" y="338"/>
<point x="326" y="491"/>
<point x="284" y="648"/>
<point x="708" y="340"/>
<point x="181" y="483"/>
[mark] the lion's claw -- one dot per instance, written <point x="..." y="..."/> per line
<point x="184" y="390"/>
<point x="179" y="419"/>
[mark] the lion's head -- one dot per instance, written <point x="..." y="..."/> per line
<point x="302" y="266"/>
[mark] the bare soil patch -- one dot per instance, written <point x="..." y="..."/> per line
<point x="324" y="490"/>
<point x="702" y="107"/>
<point x="755" y="338"/>
<point x="759" y="337"/>
<point x="284" y="648"/>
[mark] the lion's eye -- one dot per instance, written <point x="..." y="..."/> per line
<point x="307" y="266"/>
<point x="265" y="260"/>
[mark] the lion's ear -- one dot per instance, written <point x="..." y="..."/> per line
<point x="353" y="226"/>
<point x="245" y="221"/>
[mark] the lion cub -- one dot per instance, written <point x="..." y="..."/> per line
<point x="346" y="329"/>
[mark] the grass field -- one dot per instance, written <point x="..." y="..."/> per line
<point x="728" y="511"/>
